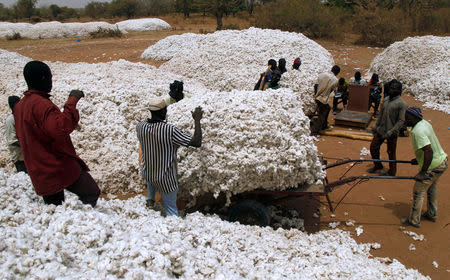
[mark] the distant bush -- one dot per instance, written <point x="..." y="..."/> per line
<point x="380" y="27"/>
<point x="103" y="33"/>
<point x="14" y="36"/>
<point x="306" y="16"/>
<point x="35" y="19"/>
<point x="230" y="26"/>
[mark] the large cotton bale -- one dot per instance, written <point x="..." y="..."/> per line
<point x="252" y="139"/>
<point x="232" y="59"/>
<point x="143" y="24"/>
<point x="422" y="64"/>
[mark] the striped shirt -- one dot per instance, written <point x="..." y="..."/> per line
<point x="159" y="143"/>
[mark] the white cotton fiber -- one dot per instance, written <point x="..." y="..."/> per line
<point x="53" y="29"/>
<point x="143" y="24"/>
<point x="121" y="239"/>
<point x="117" y="95"/>
<point x="422" y="64"/>
<point x="233" y="59"/>
<point x="252" y="139"/>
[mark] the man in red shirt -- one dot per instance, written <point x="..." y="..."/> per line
<point x="44" y="135"/>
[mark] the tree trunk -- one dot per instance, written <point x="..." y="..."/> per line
<point x="219" y="20"/>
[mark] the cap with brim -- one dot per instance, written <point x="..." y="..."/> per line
<point x="159" y="103"/>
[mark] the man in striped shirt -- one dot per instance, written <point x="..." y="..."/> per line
<point x="159" y="142"/>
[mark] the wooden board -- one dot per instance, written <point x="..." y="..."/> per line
<point x="352" y="118"/>
<point x="358" y="98"/>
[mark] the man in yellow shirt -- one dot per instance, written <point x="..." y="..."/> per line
<point x="432" y="161"/>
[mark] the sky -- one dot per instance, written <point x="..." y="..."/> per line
<point x="61" y="3"/>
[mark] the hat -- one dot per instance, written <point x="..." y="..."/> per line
<point x="415" y="111"/>
<point x="298" y="61"/>
<point x="159" y="103"/>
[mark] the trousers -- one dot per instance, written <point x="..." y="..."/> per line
<point x="429" y="186"/>
<point x="84" y="187"/>
<point x="375" y="146"/>
<point x="169" y="200"/>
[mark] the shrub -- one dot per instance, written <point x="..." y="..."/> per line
<point x="380" y="27"/>
<point x="307" y="16"/>
<point x="230" y="26"/>
<point x="14" y="36"/>
<point x="103" y="33"/>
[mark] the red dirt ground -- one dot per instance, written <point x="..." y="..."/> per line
<point x="380" y="218"/>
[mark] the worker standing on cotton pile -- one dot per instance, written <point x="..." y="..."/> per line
<point x="44" y="135"/>
<point x="389" y="123"/>
<point x="11" y="138"/>
<point x="432" y="161"/>
<point x="159" y="142"/>
<point x="326" y="82"/>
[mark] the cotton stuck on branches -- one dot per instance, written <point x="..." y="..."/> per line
<point x="422" y="64"/>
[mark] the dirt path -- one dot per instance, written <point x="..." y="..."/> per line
<point x="376" y="205"/>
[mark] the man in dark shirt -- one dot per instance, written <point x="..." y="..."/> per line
<point x="44" y="135"/>
<point x="392" y="118"/>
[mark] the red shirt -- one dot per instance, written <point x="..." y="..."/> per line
<point x="44" y="135"/>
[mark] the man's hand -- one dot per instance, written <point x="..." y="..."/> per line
<point x="414" y="162"/>
<point x="76" y="93"/>
<point x="421" y="176"/>
<point x="197" y="114"/>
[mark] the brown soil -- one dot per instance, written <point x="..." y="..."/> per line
<point x="377" y="205"/>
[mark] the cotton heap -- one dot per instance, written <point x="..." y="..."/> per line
<point x="75" y="241"/>
<point x="56" y="29"/>
<point x="232" y="59"/>
<point x="251" y="140"/>
<point x="117" y="98"/>
<point x="422" y="64"/>
<point x="143" y="24"/>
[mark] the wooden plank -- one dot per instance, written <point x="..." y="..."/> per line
<point x="358" y="98"/>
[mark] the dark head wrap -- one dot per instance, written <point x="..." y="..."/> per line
<point x="38" y="76"/>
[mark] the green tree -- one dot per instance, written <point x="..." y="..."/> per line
<point x="127" y="8"/>
<point x="218" y="8"/>
<point x="55" y="10"/>
<point x="184" y="6"/>
<point x="96" y="9"/>
<point x="25" y="8"/>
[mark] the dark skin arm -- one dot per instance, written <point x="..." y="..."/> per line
<point x="196" y="140"/>
<point x="427" y="158"/>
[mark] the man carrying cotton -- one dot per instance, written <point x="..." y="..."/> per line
<point x="159" y="142"/>
<point x="326" y="82"/>
<point x="432" y="161"/>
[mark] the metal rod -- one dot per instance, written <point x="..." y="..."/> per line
<point x="364" y="160"/>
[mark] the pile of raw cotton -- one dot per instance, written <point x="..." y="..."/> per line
<point x="422" y="64"/>
<point x="143" y="24"/>
<point x="117" y="96"/>
<point x="252" y="139"/>
<point x="55" y="29"/>
<point x="233" y="59"/>
<point x="123" y="239"/>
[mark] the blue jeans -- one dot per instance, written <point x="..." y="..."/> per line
<point x="169" y="199"/>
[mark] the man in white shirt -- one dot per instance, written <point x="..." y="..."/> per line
<point x="326" y="82"/>
<point x="357" y="80"/>
<point x="15" y="151"/>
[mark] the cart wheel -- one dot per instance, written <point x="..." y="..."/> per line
<point x="250" y="212"/>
